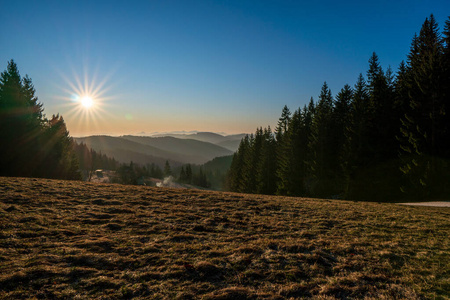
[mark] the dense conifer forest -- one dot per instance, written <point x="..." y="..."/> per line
<point x="385" y="138"/>
<point x="31" y="145"/>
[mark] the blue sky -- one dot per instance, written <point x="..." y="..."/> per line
<point x="224" y="66"/>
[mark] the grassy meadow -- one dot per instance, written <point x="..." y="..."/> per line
<point x="68" y="239"/>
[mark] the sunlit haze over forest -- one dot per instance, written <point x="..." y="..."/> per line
<point x="139" y="67"/>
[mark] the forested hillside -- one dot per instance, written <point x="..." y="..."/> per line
<point x="157" y="150"/>
<point x="209" y="175"/>
<point x="386" y="137"/>
<point x="230" y="142"/>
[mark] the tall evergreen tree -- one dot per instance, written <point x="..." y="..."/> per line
<point x="167" y="169"/>
<point x="59" y="156"/>
<point x="423" y="135"/>
<point x="321" y="145"/>
<point x="247" y="171"/>
<point x="308" y="117"/>
<point x="356" y="146"/>
<point x="283" y="122"/>
<point x="31" y="145"/>
<point x="296" y="171"/>
<point x="401" y="84"/>
<point x="182" y="177"/>
<point x="189" y="174"/>
<point x="199" y="179"/>
<point x="236" y="178"/>
<point x="383" y="120"/>
<point x="341" y="122"/>
<point x="254" y="159"/>
<point x="283" y="150"/>
<point x="20" y="123"/>
<point x="266" y="175"/>
<point x="446" y="97"/>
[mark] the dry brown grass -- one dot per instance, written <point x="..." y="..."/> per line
<point x="62" y="239"/>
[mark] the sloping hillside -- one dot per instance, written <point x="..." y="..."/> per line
<point x="230" y="142"/>
<point x="154" y="150"/>
<point x="125" y="151"/>
<point x="64" y="240"/>
<point x="196" y="151"/>
<point x="232" y="145"/>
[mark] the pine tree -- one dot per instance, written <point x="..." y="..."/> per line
<point x="20" y="123"/>
<point x="284" y="159"/>
<point x="356" y="145"/>
<point x="341" y="122"/>
<point x="298" y="135"/>
<point x="383" y="120"/>
<point x="167" y="169"/>
<point x="445" y="129"/>
<point x="308" y="160"/>
<point x="31" y="145"/>
<point x="378" y="172"/>
<point x="401" y="84"/>
<point x="247" y="175"/>
<point x="266" y="177"/>
<point x="59" y="158"/>
<point x="199" y="179"/>
<point x="283" y="123"/>
<point x="188" y="174"/>
<point x="237" y="180"/>
<point x="182" y="177"/>
<point x="127" y="174"/>
<point x="423" y="135"/>
<point x="321" y="145"/>
<point x="283" y="150"/>
<point x="156" y="172"/>
<point x="255" y="158"/>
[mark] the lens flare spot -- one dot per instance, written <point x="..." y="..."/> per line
<point x="75" y="97"/>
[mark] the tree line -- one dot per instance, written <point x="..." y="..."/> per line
<point x="385" y="138"/>
<point x="90" y="160"/>
<point x="195" y="177"/>
<point x="31" y="145"/>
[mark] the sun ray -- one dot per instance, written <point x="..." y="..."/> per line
<point x="86" y="100"/>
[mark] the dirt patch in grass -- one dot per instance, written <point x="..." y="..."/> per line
<point x="63" y="239"/>
<point x="430" y="203"/>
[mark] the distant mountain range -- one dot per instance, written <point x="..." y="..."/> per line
<point x="230" y="142"/>
<point x="178" y="149"/>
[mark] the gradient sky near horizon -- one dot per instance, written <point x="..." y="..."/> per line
<point x="222" y="66"/>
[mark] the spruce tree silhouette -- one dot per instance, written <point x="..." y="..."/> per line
<point x="31" y="145"/>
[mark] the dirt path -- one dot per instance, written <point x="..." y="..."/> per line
<point x="432" y="203"/>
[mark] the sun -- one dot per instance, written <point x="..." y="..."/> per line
<point x="87" y="102"/>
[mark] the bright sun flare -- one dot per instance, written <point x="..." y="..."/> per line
<point x="87" y="102"/>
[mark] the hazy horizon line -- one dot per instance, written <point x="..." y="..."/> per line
<point x="155" y="133"/>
